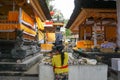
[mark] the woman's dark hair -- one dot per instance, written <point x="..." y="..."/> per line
<point x="53" y="49"/>
<point x="60" y="50"/>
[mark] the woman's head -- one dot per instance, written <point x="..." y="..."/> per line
<point x="59" y="48"/>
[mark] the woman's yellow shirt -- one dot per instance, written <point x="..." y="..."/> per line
<point x="56" y="61"/>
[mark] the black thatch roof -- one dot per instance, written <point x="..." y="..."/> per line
<point x="99" y="4"/>
<point x="45" y="9"/>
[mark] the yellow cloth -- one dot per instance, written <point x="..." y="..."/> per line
<point x="11" y="14"/>
<point x="39" y="23"/>
<point x="27" y="18"/>
<point x="50" y="37"/>
<point x="56" y="61"/>
<point x="40" y="35"/>
<point x="46" y="46"/>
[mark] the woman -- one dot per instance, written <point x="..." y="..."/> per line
<point x="60" y="63"/>
<point x="58" y="36"/>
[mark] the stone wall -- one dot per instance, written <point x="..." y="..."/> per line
<point x="76" y="72"/>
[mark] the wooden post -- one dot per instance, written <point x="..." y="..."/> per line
<point x="20" y="15"/>
<point x="91" y="31"/>
<point x="118" y="24"/>
<point x="105" y="33"/>
<point x="84" y="32"/>
<point x="95" y="35"/>
<point x="101" y="27"/>
<point x="79" y="33"/>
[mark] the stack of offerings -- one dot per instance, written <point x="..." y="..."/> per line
<point x="46" y="47"/>
<point x="85" y="45"/>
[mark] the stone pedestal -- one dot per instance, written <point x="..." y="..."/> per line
<point x="76" y="72"/>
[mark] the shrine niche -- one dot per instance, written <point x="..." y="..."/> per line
<point x="100" y="18"/>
